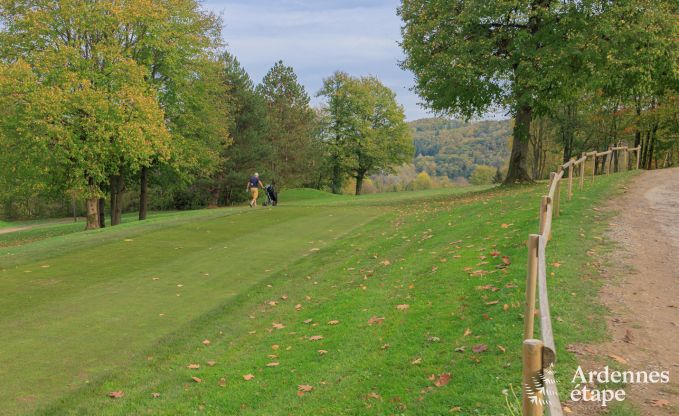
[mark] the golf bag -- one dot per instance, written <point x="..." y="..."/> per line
<point x="271" y="196"/>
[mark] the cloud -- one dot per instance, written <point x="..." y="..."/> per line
<point x="318" y="38"/>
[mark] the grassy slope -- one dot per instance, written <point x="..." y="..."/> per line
<point x="90" y="322"/>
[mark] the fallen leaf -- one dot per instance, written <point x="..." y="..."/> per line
<point x="459" y="349"/>
<point x="373" y="395"/>
<point x="273" y="364"/>
<point x="116" y="394"/>
<point x="416" y="361"/>
<point x="155" y="395"/>
<point x="322" y="352"/>
<point x="206" y="342"/>
<point x="479" y="348"/>
<point x="375" y="320"/>
<point x="275" y="347"/>
<point x="248" y="377"/>
<point x="222" y="382"/>
<point x="618" y="358"/>
<point x="659" y="402"/>
<point x="556" y="264"/>
<point x="402" y="307"/>
<point x="196" y="379"/>
<point x="502" y="349"/>
<point x="307" y="321"/>
<point x="211" y="363"/>
<point x="272" y="303"/>
<point x="298" y="307"/>
<point x="467" y="332"/>
<point x="455" y="409"/>
<point x="505" y="225"/>
<point x="492" y="302"/>
<point x="305" y="388"/>
<point x="505" y="307"/>
<point x="385" y="262"/>
<point x="284" y="297"/>
<point x="333" y="322"/>
<point x="444" y="378"/>
<point x="316" y="338"/>
<point x="193" y="366"/>
<point x="506" y="260"/>
<point x="277" y="325"/>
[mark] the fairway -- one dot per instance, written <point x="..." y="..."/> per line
<point x="304" y="294"/>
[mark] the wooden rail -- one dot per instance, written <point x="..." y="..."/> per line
<point x="539" y="355"/>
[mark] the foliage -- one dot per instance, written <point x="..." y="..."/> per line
<point x="367" y="130"/>
<point x="483" y="175"/>
<point x="453" y="148"/>
<point x="530" y="56"/>
<point x="290" y="127"/>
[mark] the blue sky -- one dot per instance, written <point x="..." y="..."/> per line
<point x="318" y="37"/>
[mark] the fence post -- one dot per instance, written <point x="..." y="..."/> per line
<point x="638" y="154"/>
<point x="609" y="159"/>
<point x="532" y="398"/>
<point x="570" y="179"/>
<point x="543" y="212"/>
<point x="594" y="167"/>
<point x="582" y="171"/>
<point x="626" y="159"/>
<point x="557" y="196"/>
<point x="531" y="286"/>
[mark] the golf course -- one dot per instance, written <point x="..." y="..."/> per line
<point x="394" y="303"/>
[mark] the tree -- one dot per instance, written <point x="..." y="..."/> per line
<point x="368" y="128"/>
<point x="291" y="126"/>
<point x="422" y="181"/>
<point x="94" y="105"/>
<point x="482" y="175"/>
<point x="248" y="132"/>
<point x="474" y="55"/>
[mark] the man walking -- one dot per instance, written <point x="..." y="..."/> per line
<point x="253" y="187"/>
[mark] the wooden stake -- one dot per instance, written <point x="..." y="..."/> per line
<point x="610" y="160"/>
<point x="638" y="154"/>
<point x="570" y="179"/>
<point x="594" y="168"/>
<point x="532" y="398"/>
<point x="557" y="198"/>
<point x="582" y="172"/>
<point x="531" y="286"/>
<point x="543" y="213"/>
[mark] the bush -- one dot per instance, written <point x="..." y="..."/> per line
<point x="482" y="175"/>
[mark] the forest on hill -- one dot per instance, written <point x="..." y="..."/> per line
<point x="454" y="148"/>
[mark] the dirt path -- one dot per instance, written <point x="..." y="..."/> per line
<point x="643" y="295"/>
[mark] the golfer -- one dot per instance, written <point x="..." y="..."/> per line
<point x="253" y="187"/>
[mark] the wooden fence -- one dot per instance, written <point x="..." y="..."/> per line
<point x="540" y="393"/>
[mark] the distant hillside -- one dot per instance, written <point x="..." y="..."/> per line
<point x="453" y="148"/>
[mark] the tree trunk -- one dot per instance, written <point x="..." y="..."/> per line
<point x="143" y="192"/>
<point x="518" y="161"/>
<point x="92" y="208"/>
<point x="359" y="182"/>
<point x="117" y="186"/>
<point x="651" y="147"/>
<point x="336" y="179"/>
<point x="102" y="212"/>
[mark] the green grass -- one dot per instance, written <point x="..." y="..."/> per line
<point x="84" y="314"/>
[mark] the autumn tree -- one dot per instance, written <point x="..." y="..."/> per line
<point x="367" y="130"/>
<point x="110" y="86"/>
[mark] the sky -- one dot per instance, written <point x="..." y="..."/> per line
<point x="317" y="38"/>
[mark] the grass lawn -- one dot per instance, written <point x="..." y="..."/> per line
<point x="304" y="294"/>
